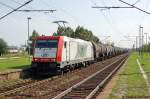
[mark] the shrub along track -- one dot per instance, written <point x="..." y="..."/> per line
<point x="51" y="87"/>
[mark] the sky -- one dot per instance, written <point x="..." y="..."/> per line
<point x="113" y="25"/>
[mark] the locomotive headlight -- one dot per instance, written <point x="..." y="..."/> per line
<point x="35" y="59"/>
<point x="52" y="59"/>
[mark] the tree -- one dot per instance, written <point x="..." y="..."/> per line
<point x="64" y="31"/>
<point x="69" y="32"/>
<point x="3" y="47"/>
<point x="146" y="47"/>
<point x="34" y="35"/>
<point x="80" y="32"/>
<point x="32" y="39"/>
<point x="85" y="34"/>
<point x="95" y="39"/>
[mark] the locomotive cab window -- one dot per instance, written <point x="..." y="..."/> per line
<point x="65" y="44"/>
<point x="46" y="44"/>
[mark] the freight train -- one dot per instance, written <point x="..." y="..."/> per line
<point x="56" y="54"/>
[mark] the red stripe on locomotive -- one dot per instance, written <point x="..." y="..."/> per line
<point x="59" y="49"/>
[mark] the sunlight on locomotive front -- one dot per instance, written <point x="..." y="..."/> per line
<point x="45" y="49"/>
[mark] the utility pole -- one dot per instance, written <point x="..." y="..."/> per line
<point x="28" y="18"/>
<point x="140" y="40"/>
<point x="146" y="37"/>
<point x="146" y="41"/>
<point x="136" y="43"/>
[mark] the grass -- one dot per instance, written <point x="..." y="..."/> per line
<point x="14" y="55"/>
<point x="15" y="63"/>
<point x="145" y="61"/>
<point x="131" y="82"/>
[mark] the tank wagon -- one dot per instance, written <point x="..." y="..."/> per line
<point x="55" y="54"/>
<point x="100" y="51"/>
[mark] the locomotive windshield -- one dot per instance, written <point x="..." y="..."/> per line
<point x="46" y="44"/>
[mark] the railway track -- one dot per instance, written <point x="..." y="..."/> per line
<point x="20" y="85"/>
<point x="88" y="87"/>
<point x="13" y="85"/>
<point x="51" y="87"/>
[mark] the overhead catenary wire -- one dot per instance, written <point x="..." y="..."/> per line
<point x="109" y="7"/>
<point x="107" y="18"/>
<point x="3" y="4"/>
<point x="113" y="18"/>
<point x="16" y="2"/>
<point x="135" y="7"/>
<point x="20" y="3"/>
<point x="37" y="10"/>
<point x="74" y="18"/>
<point x="136" y="2"/>
<point x="24" y="10"/>
<point x="33" y="10"/>
<point x="130" y="6"/>
<point x="112" y="26"/>
<point x="15" y="9"/>
<point x="144" y="15"/>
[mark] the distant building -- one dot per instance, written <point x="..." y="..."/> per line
<point x="13" y="49"/>
<point x="23" y="47"/>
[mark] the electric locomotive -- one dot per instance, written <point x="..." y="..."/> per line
<point x="54" y="54"/>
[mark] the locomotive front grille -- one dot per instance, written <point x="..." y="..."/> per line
<point x="45" y="68"/>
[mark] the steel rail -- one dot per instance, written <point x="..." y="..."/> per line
<point x="83" y="81"/>
<point x="104" y="81"/>
<point x="26" y="86"/>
